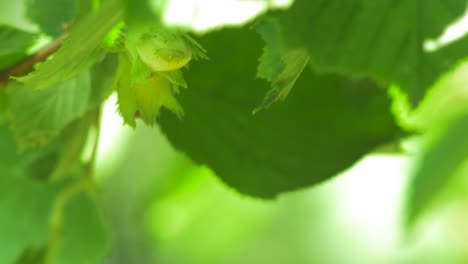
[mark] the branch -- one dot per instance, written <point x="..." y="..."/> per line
<point x="27" y="64"/>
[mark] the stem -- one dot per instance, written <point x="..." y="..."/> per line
<point x="57" y="214"/>
<point x="91" y="164"/>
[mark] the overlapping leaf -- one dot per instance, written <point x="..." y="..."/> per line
<point x="379" y="39"/>
<point x="327" y="123"/>
<point x="36" y="116"/>
<point x="80" y="49"/>
<point x="279" y="64"/>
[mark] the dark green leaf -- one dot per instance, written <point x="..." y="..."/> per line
<point x="13" y="45"/>
<point x="383" y="40"/>
<point x="14" y="41"/>
<point x="437" y="167"/>
<point x="51" y="15"/>
<point x="327" y="123"/>
<point x="32" y="256"/>
<point x="9" y="60"/>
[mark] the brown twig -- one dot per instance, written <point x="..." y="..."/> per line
<point x="27" y="64"/>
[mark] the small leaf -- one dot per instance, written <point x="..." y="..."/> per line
<point x="176" y="78"/>
<point x="294" y="62"/>
<point x="437" y="167"/>
<point x="279" y="64"/>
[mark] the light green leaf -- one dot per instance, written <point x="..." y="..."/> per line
<point x="327" y="123"/>
<point x="383" y="40"/>
<point x="80" y="49"/>
<point x="127" y="105"/>
<point x="36" y="116"/>
<point x="437" y="167"/>
<point x="51" y="15"/>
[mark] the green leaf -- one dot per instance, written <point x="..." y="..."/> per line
<point x="126" y="98"/>
<point x="271" y="63"/>
<point x="176" y="78"/>
<point x="327" y="123"/>
<point x="80" y="49"/>
<point x="38" y="218"/>
<point x="70" y="147"/>
<point x="31" y="222"/>
<point x="32" y="256"/>
<point x="51" y="15"/>
<point x="24" y="204"/>
<point x="279" y="65"/>
<point x="13" y="41"/>
<point x="437" y="167"/>
<point x="103" y="76"/>
<point x="139" y="12"/>
<point x="9" y="60"/>
<point x="4" y="103"/>
<point x="83" y="236"/>
<point x="36" y="116"/>
<point x="383" y="40"/>
<point x="13" y="45"/>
